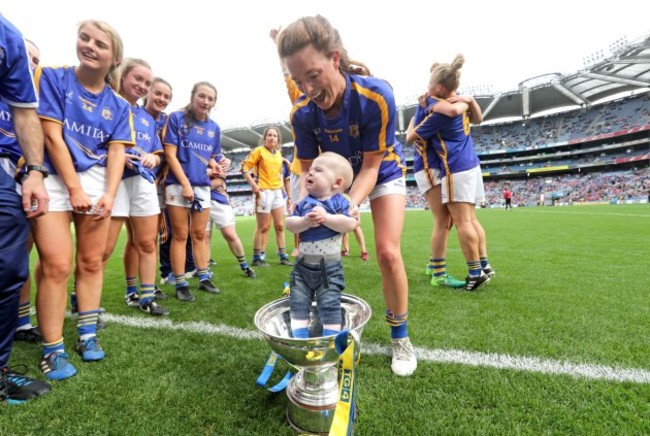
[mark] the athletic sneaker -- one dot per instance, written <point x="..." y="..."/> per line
<point x="132" y="299"/>
<point x="31" y="335"/>
<point x="90" y="350"/>
<point x="364" y="256"/>
<point x="259" y="262"/>
<point x="404" y="359"/>
<point x="57" y="366"/>
<point x="345" y="252"/>
<point x="22" y="388"/>
<point x="169" y="279"/>
<point x="447" y="281"/>
<point x="286" y="262"/>
<point x="153" y="308"/>
<point x="250" y="273"/>
<point x="489" y="271"/>
<point x="158" y="294"/>
<point x="429" y="271"/>
<point x="472" y="283"/>
<point x="207" y="286"/>
<point x="183" y="293"/>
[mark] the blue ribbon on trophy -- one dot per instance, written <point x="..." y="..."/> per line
<point x="269" y="367"/>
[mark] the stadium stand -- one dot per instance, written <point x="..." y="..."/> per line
<point x="581" y="137"/>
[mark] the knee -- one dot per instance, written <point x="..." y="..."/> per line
<point x="57" y="270"/>
<point x="388" y="255"/>
<point x="146" y="247"/>
<point x="279" y="227"/>
<point x="90" y="265"/>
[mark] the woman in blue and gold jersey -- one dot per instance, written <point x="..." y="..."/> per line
<point x="354" y="116"/>
<point x="268" y="186"/>
<point x="137" y="198"/>
<point x="87" y="127"/>
<point x="192" y="143"/>
<point x="462" y="180"/>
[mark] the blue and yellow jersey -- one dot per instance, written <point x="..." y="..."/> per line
<point x="196" y="144"/>
<point x="267" y="166"/>
<point x="220" y="194"/>
<point x="294" y="94"/>
<point x="146" y="137"/>
<point x="337" y="204"/>
<point x="90" y="122"/>
<point x="425" y="156"/>
<point x="9" y="147"/>
<point x="366" y="123"/>
<point x="450" y="138"/>
<point x="17" y="83"/>
<point x="160" y="124"/>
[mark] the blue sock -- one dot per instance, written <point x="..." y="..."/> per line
<point x="53" y="347"/>
<point x="131" y="284"/>
<point x="146" y="293"/>
<point x="397" y="323"/>
<point x="23" y="315"/>
<point x="87" y="323"/>
<point x="204" y="274"/>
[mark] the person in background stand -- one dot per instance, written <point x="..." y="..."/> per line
<point x="507" y="196"/>
<point x="17" y="90"/>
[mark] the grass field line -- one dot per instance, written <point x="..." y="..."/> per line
<point x="450" y="356"/>
<point x="567" y="212"/>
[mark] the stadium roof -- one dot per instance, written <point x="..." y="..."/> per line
<point x="627" y="70"/>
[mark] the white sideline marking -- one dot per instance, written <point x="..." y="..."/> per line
<point x="470" y="358"/>
<point x="567" y="212"/>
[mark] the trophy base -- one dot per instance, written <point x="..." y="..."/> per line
<point x="311" y="420"/>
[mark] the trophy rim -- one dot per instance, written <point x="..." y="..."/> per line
<point x="283" y="302"/>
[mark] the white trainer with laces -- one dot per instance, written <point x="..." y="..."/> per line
<point x="404" y="360"/>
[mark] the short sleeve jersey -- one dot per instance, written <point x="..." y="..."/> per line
<point x="17" y="85"/>
<point x="337" y="204"/>
<point x="90" y="122"/>
<point x="196" y="142"/>
<point x="425" y="157"/>
<point x="365" y="123"/>
<point x="220" y="194"/>
<point x="267" y="166"/>
<point x="9" y="147"/>
<point x="451" y="139"/>
<point x="146" y="137"/>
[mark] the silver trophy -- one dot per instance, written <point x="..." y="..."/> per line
<point x="313" y="391"/>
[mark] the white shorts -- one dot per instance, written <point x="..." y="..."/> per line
<point x="174" y="196"/>
<point x="294" y="185"/>
<point x="10" y="168"/>
<point x="221" y="215"/>
<point x="92" y="181"/>
<point x="395" y="186"/>
<point x="270" y="199"/>
<point x="427" y="179"/>
<point x="464" y="187"/>
<point x="136" y="197"/>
